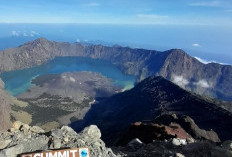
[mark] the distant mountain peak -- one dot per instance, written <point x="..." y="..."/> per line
<point x="41" y="40"/>
<point x="152" y="97"/>
<point x="177" y="51"/>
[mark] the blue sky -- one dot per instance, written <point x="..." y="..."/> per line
<point x="177" y="12"/>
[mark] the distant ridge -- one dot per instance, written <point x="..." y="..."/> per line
<point x="153" y="97"/>
<point x="211" y="79"/>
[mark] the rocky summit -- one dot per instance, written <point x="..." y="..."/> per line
<point x="22" y="138"/>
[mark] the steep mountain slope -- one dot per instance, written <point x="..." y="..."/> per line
<point x="150" y="98"/>
<point x="209" y="79"/>
<point x="7" y="114"/>
<point x="5" y="100"/>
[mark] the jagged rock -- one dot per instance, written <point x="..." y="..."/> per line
<point x="160" y="148"/>
<point x="179" y="155"/>
<point x="65" y="140"/>
<point x="196" y="132"/>
<point x="25" y="127"/>
<point x="36" y="129"/>
<point x="56" y="143"/>
<point x="189" y="125"/>
<point x="68" y="130"/>
<point x="12" y="151"/>
<point x="176" y="142"/>
<point x="4" y="143"/>
<point x="190" y="140"/>
<point x="17" y="125"/>
<point x="21" y="141"/>
<point x="167" y="127"/>
<point x="39" y="143"/>
<point x="92" y="131"/>
<point x="135" y="144"/>
<point x="147" y="132"/>
<point x="183" y="141"/>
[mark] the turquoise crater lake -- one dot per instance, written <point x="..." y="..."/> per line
<point x="17" y="82"/>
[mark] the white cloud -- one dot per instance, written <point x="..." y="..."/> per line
<point x="33" y="33"/>
<point x="151" y="16"/>
<point x="180" y="80"/>
<point x="78" y="40"/>
<point x="204" y="61"/>
<point x="206" y="4"/>
<point x="196" y="45"/>
<point x="25" y="34"/>
<point x="203" y="84"/>
<point x="15" y="33"/>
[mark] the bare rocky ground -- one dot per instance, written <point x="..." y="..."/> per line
<point x="22" y="138"/>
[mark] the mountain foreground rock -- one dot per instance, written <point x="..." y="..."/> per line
<point x="166" y="127"/>
<point x="23" y="139"/>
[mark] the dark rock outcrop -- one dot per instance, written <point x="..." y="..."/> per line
<point x="150" y="98"/>
<point x="22" y="138"/>
<point x="166" y="127"/>
<point x="167" y="148"/>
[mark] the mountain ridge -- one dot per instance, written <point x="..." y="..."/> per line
<point x="150" y="98"/>
<point x="212" y="79"/>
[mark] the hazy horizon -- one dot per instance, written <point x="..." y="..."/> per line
<point x="200" y="27"/>
<point x="207" y="43"/>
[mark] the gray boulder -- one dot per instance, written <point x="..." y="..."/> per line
<point x="91" y="131"/>
<point x="135" y="144"/>
<point x="24" y="138"/>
